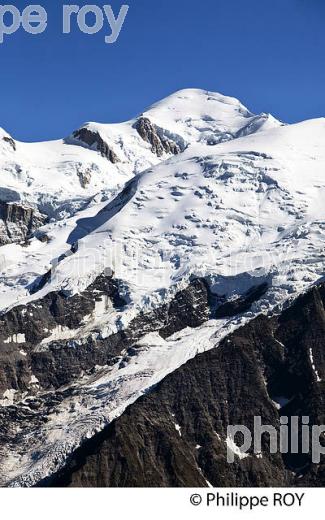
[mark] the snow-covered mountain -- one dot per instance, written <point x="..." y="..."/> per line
<point x="62" y="182"/>
<point x="63" y="176"/>
<point x="127" y="249"/>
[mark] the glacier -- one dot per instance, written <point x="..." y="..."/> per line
<point x="205" y="190"/>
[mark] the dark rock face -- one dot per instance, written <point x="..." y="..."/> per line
<point x="94" y="140"/>
<point x="242" y="304"/>
<point x="189" y="308"/>
<point x="84" y="177"/>
<point x="159" y="144"/>
<point x="175" y="436"/>
<point x="18" y="222"/>
<point x="57" y="363"/>
<point x="144" y="448"/>
<point x="40" y="370"/>
<point x="11" y="142"/>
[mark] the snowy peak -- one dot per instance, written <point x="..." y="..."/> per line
<point x="212" y="212"/>
<point x="99" y="158"/>
<point x="207" y="117"/>
<point x="196" y="103"/>
<point x="171" y="125"/>
<point x="168" y="231"/>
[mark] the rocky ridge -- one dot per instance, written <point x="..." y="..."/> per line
<point x="177" y="435"/>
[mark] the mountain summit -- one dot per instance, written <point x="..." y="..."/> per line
<point x="129" y="249"/>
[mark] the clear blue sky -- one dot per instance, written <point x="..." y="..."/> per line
<point x="268" y="53"/>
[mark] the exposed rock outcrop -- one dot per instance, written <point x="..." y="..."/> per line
<point x="152" y="135"/>
<point x="10" y="141"/>
<point x="241" y="304"/>
<point x="176" y="435"/>
<point x="18" y="222"/>
<point x="49" y="348"/>
<point x="94" y="140"/>
<point x="26" y="327"/>
<point x="84" y="177"/>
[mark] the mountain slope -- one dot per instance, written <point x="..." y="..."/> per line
<point x="61" y="176"/>
<point x="217" y="212"/>
<point x="220" y="219"/>
<point x="177" y="435"/>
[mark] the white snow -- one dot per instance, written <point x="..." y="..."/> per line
<point x="16" y="338"/>
<point x="46" y="174"/>
<point x="207" y="482"/>
<point x="8" y="397"/>
<point x="178" y="429"/>
<point x="207" y="117"/>
<point x="60" y="333"/>
<point x="280" y="402"/>
<point x="311" y="356"/>
<point x="104" y="396"/>
<point x="242" y="205"/>
<point x="227" y="212"/>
